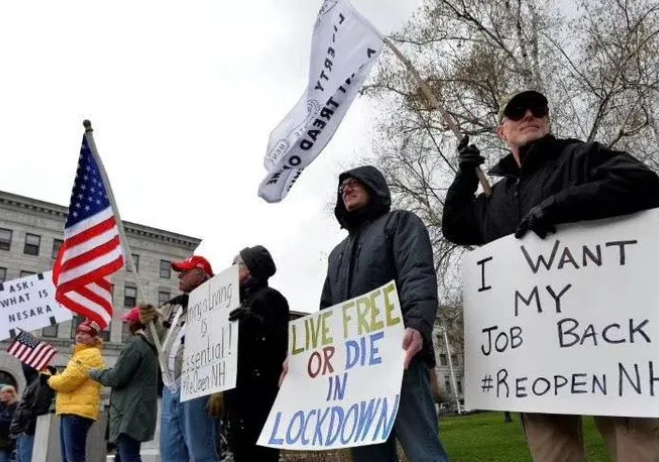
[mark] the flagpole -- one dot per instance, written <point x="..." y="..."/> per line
<point x="452" y="372"/>
<point x="120" y="225"/>
<point x="435" y="104"/>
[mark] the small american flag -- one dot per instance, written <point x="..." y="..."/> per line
<point x="33" y="352"/>
<point x="91" y="251"/>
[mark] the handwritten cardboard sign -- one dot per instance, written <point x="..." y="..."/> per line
<point x="568" y="324"/>
<point x="29" y="304"/>
<point x="210" y="356"/>
<point x="344" y="379"/>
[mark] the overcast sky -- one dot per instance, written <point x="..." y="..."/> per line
<point x="182" y="97"/>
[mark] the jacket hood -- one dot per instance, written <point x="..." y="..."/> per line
<point x="379" y="204"/>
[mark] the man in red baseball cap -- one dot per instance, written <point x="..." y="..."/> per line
<point x="187" y="431"/>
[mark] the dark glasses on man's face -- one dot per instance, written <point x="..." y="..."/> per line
<point x="350" y="182"/>
<point x="517" y="112"/>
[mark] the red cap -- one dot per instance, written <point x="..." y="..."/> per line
<point x="132" y="316"/>
<point x="90" y="327"/>
<point x="194" y="261"/>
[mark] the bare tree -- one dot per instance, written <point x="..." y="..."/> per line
<point x="596" y="61"/>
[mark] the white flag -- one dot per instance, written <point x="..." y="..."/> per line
<point x="344" y="48"/>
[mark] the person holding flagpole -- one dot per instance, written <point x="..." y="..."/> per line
<point x="78" y="398"/>
<point x="546" y="182"/>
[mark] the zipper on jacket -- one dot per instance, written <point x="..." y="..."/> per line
<point x="517" y="201"/>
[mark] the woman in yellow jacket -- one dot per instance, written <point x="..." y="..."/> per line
<point x="78" y="397"/>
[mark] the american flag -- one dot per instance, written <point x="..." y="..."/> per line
<point x="33" y="352"/>
<point x="91" y="251"/>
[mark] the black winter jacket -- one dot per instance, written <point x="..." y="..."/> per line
<point x="262" y="347"/>
<point x="6" y="414"/>
<point x="383" y="245"/>
<point x="571" y="180"/>
<point x="36" y="400"/>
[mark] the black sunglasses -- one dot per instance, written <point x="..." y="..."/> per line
<point x="518" y="111"/>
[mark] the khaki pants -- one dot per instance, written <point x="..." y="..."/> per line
<point x="559" y="438"/>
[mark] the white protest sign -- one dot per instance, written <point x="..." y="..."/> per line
<point x="210" y="355"/>
<point x="29" y="304"/>
<point x="345" y="372"/>
<point x="344" y="48"/>
<point x="568" y="324"/>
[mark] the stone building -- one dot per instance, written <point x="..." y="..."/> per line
<point x="31" y="232"/>
<point x="447" y="357"/>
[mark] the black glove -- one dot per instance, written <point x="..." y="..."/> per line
<point x="239" y="313"/>
<point x="469" y="157"/>
<point x="43" y="379"/>
<point x="537" y="221"/>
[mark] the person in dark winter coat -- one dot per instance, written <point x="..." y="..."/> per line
<point x="134" y="382"/>
<point x="262" y="318"/>
<point x="37" y="400"/>
<point x="546" y="182"/>
<point x="8" y="405"/>
<point x="384" y="245"/>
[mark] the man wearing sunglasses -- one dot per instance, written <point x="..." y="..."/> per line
<point x="547" y="181"/>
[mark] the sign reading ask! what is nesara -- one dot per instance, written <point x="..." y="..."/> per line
<point x="568" y="324"/>
<point x="345" y="372"/>
<point x="29" y="304"/>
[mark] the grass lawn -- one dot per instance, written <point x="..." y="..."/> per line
<point x="484" y="437"/>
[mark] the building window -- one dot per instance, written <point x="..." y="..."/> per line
<point x="459" y="387"/>
<point x="454" y="359"/>
<point x="136" y="262"/>
<point x="130" y="296"/>
<point x="447" y="384"/>
<point x="50" y="331"/>
<point x="25" y="274"/>
<point x="3" y="275"/>
<point x="443" y="359"/>
<point x="165" y="269"/>
<point x="32" y="243"/>
<point x="163" y="297"/>
<point x="104" y="335"/>
<point x="57" y="244"/>
<point x="5" y="238"/>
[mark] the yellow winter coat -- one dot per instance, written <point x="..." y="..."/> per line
<point x="77" y="394"/>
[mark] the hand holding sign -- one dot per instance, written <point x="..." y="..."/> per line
<point x="412" y="344"/>
<point x="538" y="222"/>
<point x="584" y="302"/>
<point x="327" y="398"/>
<point x="284" y="371"/>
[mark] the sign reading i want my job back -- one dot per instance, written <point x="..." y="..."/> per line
<point x="568" y="324"/>
<point x="29" y="304"/>
<point x="210" y="355"/>
<point x="345" y="371"/>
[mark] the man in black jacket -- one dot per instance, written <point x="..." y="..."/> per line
<point x="262" y="345"/>
<point x="546" y="182"/>
<point x="383" y="245"/>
